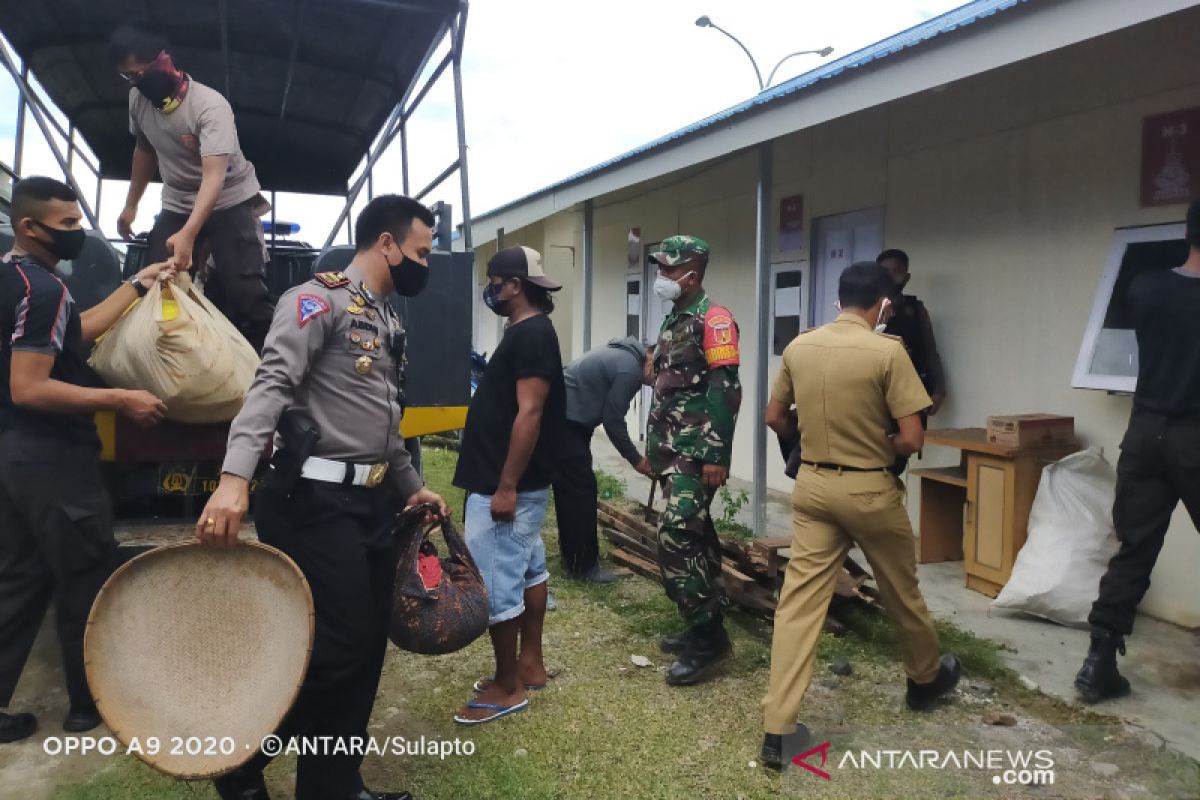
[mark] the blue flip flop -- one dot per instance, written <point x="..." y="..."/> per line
<point x="501" y="711"/>
<point x="478" y="685"/>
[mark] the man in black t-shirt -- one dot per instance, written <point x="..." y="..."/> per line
<point x="506" y="463"/>
<point x="1160" y="456"/>
<point x="56" y="538"/>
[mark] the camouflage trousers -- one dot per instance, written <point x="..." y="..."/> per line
<point x="689" y="553"/>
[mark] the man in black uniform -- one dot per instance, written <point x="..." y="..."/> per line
<point x="1160" y="456"/>
<point x="334" y="361"/>
<point x="56" y="538"/>
<point x="910" y="321"/>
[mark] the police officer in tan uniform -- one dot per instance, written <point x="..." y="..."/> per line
<point x="330" y="392"/>
<point x="851" y="385"/>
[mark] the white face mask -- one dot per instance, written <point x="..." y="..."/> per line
<point x="880" y="325"/>
<point x="668" y="289"/>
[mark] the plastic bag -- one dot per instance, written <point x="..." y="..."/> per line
<point x="175" y="344"/>
<point x="1071" y="539"/>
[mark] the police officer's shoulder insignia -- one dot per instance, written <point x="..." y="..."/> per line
<point x="720" y="338"/>
<point x="892" y="336"/>
<point x="308" y="307"/>
<point x="331" y="280"/>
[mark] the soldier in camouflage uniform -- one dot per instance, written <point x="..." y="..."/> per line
<point x="689" y="443"/>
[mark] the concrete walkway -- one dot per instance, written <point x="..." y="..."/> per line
<point x="1163" y="662"/>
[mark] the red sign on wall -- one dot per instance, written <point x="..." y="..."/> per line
<point x="1171" y="157"/>
<point x="791" y="223"/>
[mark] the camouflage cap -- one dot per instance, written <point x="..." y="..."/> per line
<point x="678" y="249"/>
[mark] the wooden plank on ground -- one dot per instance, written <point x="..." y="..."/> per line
<point x="641" y="566"/>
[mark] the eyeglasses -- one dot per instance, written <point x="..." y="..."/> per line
<point x="132" y="78"/>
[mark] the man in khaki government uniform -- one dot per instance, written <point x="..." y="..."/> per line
<point x="849" y="383"/>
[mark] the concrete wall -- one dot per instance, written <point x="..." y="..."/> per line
<point x="1005" y="189"/>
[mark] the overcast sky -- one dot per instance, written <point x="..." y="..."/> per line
<point x="553" y="87"/>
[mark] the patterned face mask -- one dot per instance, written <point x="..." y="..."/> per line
<point x="163" y="84"/>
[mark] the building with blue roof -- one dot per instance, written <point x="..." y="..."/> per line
<point x="1021" y="152"/>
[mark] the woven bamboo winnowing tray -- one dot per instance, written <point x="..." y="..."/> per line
<point x="202" y="649"/>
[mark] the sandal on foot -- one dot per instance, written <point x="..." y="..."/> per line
<point x="501" y="711"/>
<point x="479" y="687"/>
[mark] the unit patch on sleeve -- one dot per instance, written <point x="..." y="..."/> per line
<point x="720" y="339"/>
<point x="310" y="306"/>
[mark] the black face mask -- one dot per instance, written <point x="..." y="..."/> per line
<point x="409" y="276"/>
<point x="491" y="297"/>
<point x="66" y="245"/>
<point x="158" y="86"/>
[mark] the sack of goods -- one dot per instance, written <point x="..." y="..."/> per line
<point x="1071" y="538"/>
<point x="439" y="605"/>
<point x="175" y="344"/>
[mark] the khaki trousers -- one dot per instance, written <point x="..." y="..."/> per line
<point x="830" y="511"/>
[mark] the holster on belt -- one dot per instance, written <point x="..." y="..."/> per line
<point x="298" y="436"/>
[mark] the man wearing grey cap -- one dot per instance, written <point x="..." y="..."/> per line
<point x="601" y="385"/>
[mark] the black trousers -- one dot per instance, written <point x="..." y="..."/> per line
<point x="56" y="543"/>
<point x="1158" y="467"/>
<point x="340" y="538"/>
<point x="575" y="501"/>
<point x="233" y="236"/>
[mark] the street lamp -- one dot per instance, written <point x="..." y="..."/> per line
<point x="705" y="22"/>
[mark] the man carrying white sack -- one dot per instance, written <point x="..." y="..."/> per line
<point x="56" y="538"/>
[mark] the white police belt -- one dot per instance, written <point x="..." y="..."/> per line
<point x="323" y="469"/>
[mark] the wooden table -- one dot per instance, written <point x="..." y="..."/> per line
<point x="996" y="486"/>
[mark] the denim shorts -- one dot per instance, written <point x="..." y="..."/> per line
<point x="510" y="555"/>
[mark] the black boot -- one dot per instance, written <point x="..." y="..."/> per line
<point x="15" y="727"/>
<point x="922" y="696"/>
<point x="79" y="720"/>
<point x="709" y="647"/>
<point x="772" y="751"/>
<point x="675" y="643"/>
<point x="367" y="794"/>
<point x="1098" y="678"/>
<point x="241" y="784"/>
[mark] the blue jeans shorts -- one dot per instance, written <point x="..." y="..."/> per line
<point x="510" y="555"/>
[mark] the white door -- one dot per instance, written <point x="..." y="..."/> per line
<point x="841" y="240"/>
<point x="789" y="308"/>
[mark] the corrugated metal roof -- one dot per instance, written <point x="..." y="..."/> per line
<point x="949" y="22"/>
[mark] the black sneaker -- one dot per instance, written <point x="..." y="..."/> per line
<point x="922" y="696"/>
<point x="15" y="727"/>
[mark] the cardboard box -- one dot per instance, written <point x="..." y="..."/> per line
<point x="1030" y="430"/>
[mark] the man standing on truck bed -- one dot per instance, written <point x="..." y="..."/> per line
<point x="56" y="537"/>
<point x="210" y="196"/>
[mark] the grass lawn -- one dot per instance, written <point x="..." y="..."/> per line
<point x="605" y="728"/>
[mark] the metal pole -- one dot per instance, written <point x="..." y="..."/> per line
<point x="70" y="146"/>
<point x="588" y="266"/>
<point x="404" y="156"/>
<point x="762" y="313"/>
<point x="272" y="226"/>
<point x="370" y="184"/>
<point x="457" y="31"/>
<point x="24" y="89"/>
<point x="19" y="155"/>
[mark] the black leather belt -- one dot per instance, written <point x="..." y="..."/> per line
<point x="841" y="468"/>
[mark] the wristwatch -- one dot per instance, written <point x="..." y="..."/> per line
<point x="138" y="286"/>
